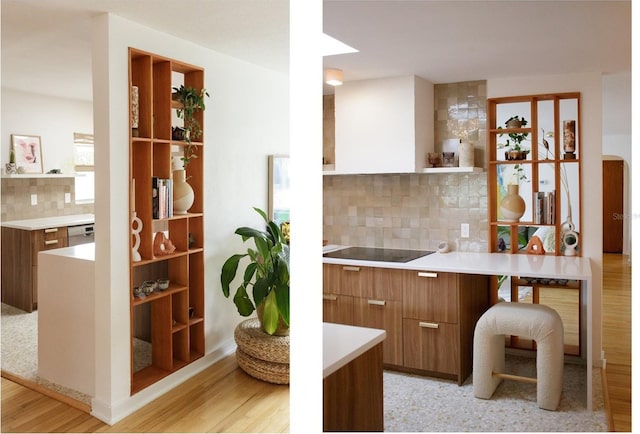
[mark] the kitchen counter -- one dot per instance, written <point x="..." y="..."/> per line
<point x="546" y="266"/>
<point x="49" y="222"/>
<point x="342" y="343"/>
<point x="353" y="383"/>
<point x="569" y="267"/>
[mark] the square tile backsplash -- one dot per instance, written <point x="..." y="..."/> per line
<point x="16" y="198"/>
<point x="406" y="211"/>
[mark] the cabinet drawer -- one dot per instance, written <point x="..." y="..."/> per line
<point x="385" y="315"/>
<point x="431" y="346"/>
<point x="337" y="308"/>
<point x="47" y="239"/>
<point x="386" y="284"/>
<point x="345" y="279"/>
<point x="430" y="296"/>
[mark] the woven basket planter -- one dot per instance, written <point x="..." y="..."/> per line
<point x="261" y="355"/>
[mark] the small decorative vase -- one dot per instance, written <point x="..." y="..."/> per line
<point x="11" y="168"/>
<point x="512" y="206"/>
<point x="135" y="110"/>
<point x="182" y="192"/>
<point x="465" y="155"/>
<point x="136" y="228"/>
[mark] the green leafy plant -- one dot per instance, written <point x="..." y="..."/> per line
<point x="516" y="138"/>
<point x="192" y="100"/>
<point x="266" y="276"/>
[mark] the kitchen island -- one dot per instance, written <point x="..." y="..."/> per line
<point x="352" y="372"/>
<point x="534" y="266"/>
<point x="66" y="317"/>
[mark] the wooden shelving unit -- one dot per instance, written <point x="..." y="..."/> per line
<point x="546" y="170"/>
<point x="171" y="322"/>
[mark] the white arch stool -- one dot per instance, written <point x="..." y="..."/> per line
<point x="532" y="321"/>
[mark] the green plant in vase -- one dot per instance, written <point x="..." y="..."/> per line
<point x="265" y="277"/>
<point x="515" y="149"/>
<point x="192" y="101"/>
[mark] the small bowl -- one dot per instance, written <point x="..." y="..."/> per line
<point x="162" y="284"/>
<point x="148" y="286"/>
<point x="138" y="292"/>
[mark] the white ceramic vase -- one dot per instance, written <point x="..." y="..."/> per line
<point x="512" y="205"/>
<point x="182" y="193"/>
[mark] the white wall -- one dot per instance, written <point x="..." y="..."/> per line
<point x="53" y="119"/>
<point x="590" y="87"/>
<point x="246" y="120"/>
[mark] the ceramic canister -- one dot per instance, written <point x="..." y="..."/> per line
<point x="465" y="155"/>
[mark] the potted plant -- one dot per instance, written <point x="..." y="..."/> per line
<point x="192" y="100"/>
<point x="267" y="273"/>
<point x="515" y="150"/>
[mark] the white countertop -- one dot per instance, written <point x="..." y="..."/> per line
<point x="342" y="343"/>
<point x="540" y="266"/>
<point x="85" y="252"/>
<point x="50" y="222"/>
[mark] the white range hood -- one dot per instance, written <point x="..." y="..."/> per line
<point x="383" y="125"/>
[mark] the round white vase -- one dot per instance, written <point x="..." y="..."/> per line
<point x="182" y="193"/>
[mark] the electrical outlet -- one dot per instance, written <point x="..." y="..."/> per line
<point x="34" y="199"/>
<point x="67" y="198"/>
<point x="464" y="230"/>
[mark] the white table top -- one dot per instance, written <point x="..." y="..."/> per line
<point x="540" y="266"/>
<point x="342" y="343"/>
<point x="50" y="222"/>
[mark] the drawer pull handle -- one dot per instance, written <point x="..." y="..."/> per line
<point x="50" y="231"/>
<point x="50" y="242"/>
<point x="377" y="302"/>
<point x="329" y="297"/>
<point x="350" y="268"/>
<point x="427" y="274"/>
<point x="429" y="325"/>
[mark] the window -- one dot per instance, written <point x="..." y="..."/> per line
<point x="83" y="163"/>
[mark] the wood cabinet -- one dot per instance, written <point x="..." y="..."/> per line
<point x="429" y="317"/>
<point x="440" y="311"/>
<point x="168" y="324"/>
<point x="20" y="263"/>
<point x="366" y="297"/>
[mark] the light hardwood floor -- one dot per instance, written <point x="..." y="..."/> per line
<point x="616" y="338"/>
<point x="221" y="399"/>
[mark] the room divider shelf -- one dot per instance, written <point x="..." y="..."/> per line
<point x="171" y="321"/>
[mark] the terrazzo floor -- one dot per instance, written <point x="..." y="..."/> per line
<point x="19" y="342"/>
<point x="420" y="404"/>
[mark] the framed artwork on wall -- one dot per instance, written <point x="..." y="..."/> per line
<point x="28" y="153"/>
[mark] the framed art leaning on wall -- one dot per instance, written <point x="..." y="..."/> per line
<point x="28" y="153"/>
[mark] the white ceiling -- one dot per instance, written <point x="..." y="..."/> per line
<point x="46" y="45"/>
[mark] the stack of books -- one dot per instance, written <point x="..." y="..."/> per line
<point x="544" y="208"/>
<point x="162" y="198"/>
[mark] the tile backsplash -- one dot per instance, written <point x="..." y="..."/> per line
<point x="16" y="198"/>
<point x="406" y="211"/>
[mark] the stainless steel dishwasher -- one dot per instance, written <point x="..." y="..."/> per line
<point x="81" y="234"/>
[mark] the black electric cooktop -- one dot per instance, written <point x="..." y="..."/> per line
<point x="377" y="254"/>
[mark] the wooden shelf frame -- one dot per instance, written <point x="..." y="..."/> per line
<point x="163" y="317"/>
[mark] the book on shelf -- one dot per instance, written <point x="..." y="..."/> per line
<point x="544" y="208"/>
<point x="162" y="197"/>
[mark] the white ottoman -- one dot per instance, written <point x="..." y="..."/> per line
<point x="532" y="321"/>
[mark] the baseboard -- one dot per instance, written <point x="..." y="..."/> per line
<point x="112" y="413"/>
